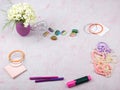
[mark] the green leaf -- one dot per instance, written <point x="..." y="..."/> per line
<point x="6" y="24"/>
<point x="13" y="25"/>
<point x="3" y="11"/>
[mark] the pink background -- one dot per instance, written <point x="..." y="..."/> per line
<point x="68" y="57"/>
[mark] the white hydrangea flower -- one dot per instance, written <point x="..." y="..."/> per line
<point x="21" y="12"/>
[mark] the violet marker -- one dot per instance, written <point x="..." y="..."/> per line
<point x="78" y="81"/>
<point x="47" y="77"/>
<point x="46" y="80"/>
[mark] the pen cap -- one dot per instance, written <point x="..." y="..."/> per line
<point x="89" y="77"/>
<point x="71" y="84"/>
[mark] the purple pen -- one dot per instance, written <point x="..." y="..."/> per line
<point x="45" y="77"/>
<point x="53" y="79"/>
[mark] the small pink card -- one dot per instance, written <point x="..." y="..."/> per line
<point x="15" y="71"/>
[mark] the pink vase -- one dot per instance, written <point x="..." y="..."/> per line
<point x="23" y="31"/>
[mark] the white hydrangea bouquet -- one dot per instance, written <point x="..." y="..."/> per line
<point x="22" y="14"/>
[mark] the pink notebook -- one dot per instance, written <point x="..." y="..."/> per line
<point x="15" y="71"/>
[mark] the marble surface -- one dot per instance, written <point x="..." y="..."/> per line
<point x="68" y="56"/>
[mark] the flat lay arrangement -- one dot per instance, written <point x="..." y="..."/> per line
<point x="45" y="51"/>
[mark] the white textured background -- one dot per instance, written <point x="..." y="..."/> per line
<point x="67" y="57"/>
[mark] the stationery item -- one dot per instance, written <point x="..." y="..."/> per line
<point x="15" y="68"/>
<point x="22" y="57"/>
<point x="103" y="69"/>
<point x="96" y="29"/>
<point x="78" y="81"/>
<point x="103" y="47"/>
<point x="45" y="77"/>
<point x="46" y="80"/>
<point x="97" y="56"/>
<point x="15" y="71"/>
<point x="102" y="59"/>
